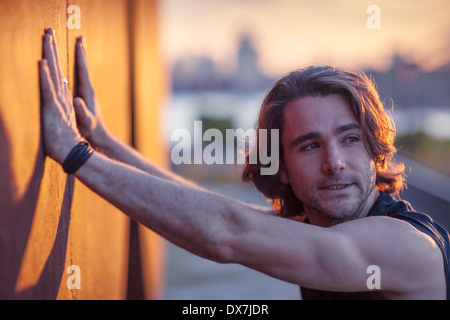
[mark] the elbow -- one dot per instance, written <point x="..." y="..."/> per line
<point x="211" y="246"/>
<point x="223" y="241"/>
<point x="220" y="244"/>
<point x="218" y="251"/>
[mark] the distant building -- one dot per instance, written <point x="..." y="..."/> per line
<point x="200" y="73"/>
<point x="196" y="73"/>
<point x="404" y="82"/>
<point x="247" y="75"/>
<point x="409" y="86"/>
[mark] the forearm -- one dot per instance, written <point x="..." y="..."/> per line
<point x="120" y="151"/>
<point x="194" y="219"/>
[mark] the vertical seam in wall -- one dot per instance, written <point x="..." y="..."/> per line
<point x="69" y="244"/>
<point x="131" y="68"/>
<point x="136" y="290"/>
<point x="67" y="42"/>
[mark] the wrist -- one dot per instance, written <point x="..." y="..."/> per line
<point x="101" y="139"/>
<point x="60" y="148"/>
<point x="79" y="154"/>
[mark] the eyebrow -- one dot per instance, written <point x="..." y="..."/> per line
<point x="315" y="135"/>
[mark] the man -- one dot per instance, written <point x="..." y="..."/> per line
<point x="336" y="173"/>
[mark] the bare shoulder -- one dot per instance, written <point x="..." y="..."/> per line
<point x="389" y="228"/>
<point x="390" y="233"/>
<point x="410" y="261"/>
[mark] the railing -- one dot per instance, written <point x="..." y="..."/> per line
<point x="426" y="179"/>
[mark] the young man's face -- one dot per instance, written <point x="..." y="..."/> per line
<point x="325" y="160"/>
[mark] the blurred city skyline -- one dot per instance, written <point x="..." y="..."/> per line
<point x="222" y="57"/>
<point x="288" y="34"/>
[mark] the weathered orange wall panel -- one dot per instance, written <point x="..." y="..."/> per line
<point x="48" y="220"/>
<point x="99" y="232"/>
<point x="31" y="262"/>
<point x="148" y="91"/>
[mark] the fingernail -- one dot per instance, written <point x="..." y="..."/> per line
<point x="81" y="40"/>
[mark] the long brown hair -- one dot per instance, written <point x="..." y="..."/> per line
<point x="377" y="127"/>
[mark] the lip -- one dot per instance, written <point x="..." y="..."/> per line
<point x="336" y="187"/>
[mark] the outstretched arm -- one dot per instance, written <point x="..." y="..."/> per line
<point x="92" y="127"/>
<point x="226" y="230"/>
<point x="156" y="200"/>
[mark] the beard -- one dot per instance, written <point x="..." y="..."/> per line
<point x="336" y="206"/>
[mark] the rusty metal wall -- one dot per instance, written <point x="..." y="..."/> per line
<point x="48" y="220"/>
<point x="149" y="88"/>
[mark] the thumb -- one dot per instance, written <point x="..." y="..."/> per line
<point x="84" y="116"/>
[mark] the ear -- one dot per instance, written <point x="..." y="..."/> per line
<point x="284" y="177"/>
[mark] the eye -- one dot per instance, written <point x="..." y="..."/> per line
<point x="351" y="139"/>
<point x="310" y="147"/>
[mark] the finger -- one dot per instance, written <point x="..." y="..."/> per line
<point x="84" y="117"/>
<point x="84" y="79"/>
<point x="81" y="110"/>
<point x="52" y="64"/>
<point x="52" y="33"/>
<point x="47" y="89"/>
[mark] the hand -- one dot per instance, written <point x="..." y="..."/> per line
<point x="87" y="107"/>
<point x="60" y="131"/>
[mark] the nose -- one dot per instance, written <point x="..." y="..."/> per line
<point x="333" y="160"/>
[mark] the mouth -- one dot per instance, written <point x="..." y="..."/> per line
<point x="336" y="187"/>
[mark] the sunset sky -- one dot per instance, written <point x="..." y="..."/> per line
<point x="293" y="33"/>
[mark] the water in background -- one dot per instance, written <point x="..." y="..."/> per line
<point x="184" y="108"/>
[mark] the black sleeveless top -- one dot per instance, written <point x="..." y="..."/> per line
<point x="385" y="205"/>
